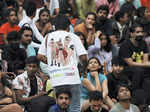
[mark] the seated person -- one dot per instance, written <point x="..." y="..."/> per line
<point x="94" y="81"/>
<point x="96" y="102"/>
<point x="28" y="85"/>
<point x="63" y="96"/>
<point x="124" y="97"/>
<point x="7" y="96"/>
<point x="12" y="54"/>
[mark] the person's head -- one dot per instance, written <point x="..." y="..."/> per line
<point x="32" y="65"/>
<point x="90" y="19"/>
<point x="102" y="12"/>
<point x="94" y="65"/>
<point x="105" y="42"/>
<point x="63" y="97"/>
<point x="82" y="38"/>
<point x="123" y="93"/>
<point x="44" y="15"/>
<point x="12" y="16"/>
<point x="61" y="22"/>
<point x="117" y="65"/>
<point x="122" y="17"/>
<point x="26" y="34"/>
<point x="130" y="8"/>
<point x="13" y="39"/>
<point x="30" y="8"/>
<point x="96" y="101"/>
<point x="142" y="12"/>
<point x="136" y="32"/>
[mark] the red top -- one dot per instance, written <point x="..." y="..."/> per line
<point x="6" y="28"/>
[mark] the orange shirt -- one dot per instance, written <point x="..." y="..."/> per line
<point x="6" y="28"/>
<point x="81" y="28"/>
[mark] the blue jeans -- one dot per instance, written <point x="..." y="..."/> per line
<point x="75" y="100"/>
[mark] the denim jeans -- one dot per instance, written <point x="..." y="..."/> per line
<point x="75" y="100"/>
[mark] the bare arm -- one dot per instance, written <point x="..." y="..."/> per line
<point x="42" y="58"/>
<point x="83" y="59"/>
<point x="22" y="100"/>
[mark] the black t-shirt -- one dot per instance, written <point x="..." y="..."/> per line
<point x="34" y="87"/>
<point x="112" y="84"/>
<point x="128" y="50"/>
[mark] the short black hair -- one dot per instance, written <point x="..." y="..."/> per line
<point x="9" y="11"/>
<point x="64" y="90"/>
<point x="13" y="36"/>
<point x="30" y="8"/>
<point x="116" y="60"/>
<point x="120" y="14"/>
<point x="32" y="60"/>
<point x="28" y="28"/>
<point x="103" y="7"/>
<point x="61" y="22"/>
<point x="95" y="95"/>
<point x="134" y="26"/>
<point x="140" y="11"/>
<point x="121" y="84"/>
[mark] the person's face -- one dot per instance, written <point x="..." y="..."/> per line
<point x="103" y="39"/>
<point x="31" y="69"/>
<point x="125" y="18"/>
<point x="12" y="17"/>
<point x="138" y="33"/>
<point x="117" y="69"/>
<point x="124" y="94"/>
<point x="26" y="37"/>
<point x="147" y="14"/>
<point x="93" y="65"/>
<point x="63" y="101"/>
<point x="102" y="15"/>
<point x="44" y="17"/>
<point x="90" y="20"/>
<point x="96" y="105"/>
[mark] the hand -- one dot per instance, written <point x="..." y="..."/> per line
<point x="94" y="74"/>
<point x="89" y="26"/>
<point x="42" y="93"/>
<point x="98" y="33"/>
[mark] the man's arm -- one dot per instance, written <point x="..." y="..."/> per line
<point x="83" y="59"/>
<point x="145" y="62"/>
<point x="42" y="58"/>
<point x="22" y="100"/>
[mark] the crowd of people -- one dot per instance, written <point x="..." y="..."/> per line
<point x="74" y="56"/>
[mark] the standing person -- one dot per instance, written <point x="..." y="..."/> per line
<point x="63" y="97"/>
<point x="124" y="97"/>
<point x="60" y="50"/>
<point x="9" y="26"/>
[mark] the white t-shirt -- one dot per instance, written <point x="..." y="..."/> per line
<point x="62" y="50"/>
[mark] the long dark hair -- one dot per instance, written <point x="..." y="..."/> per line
<point x="108" y="46"/>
